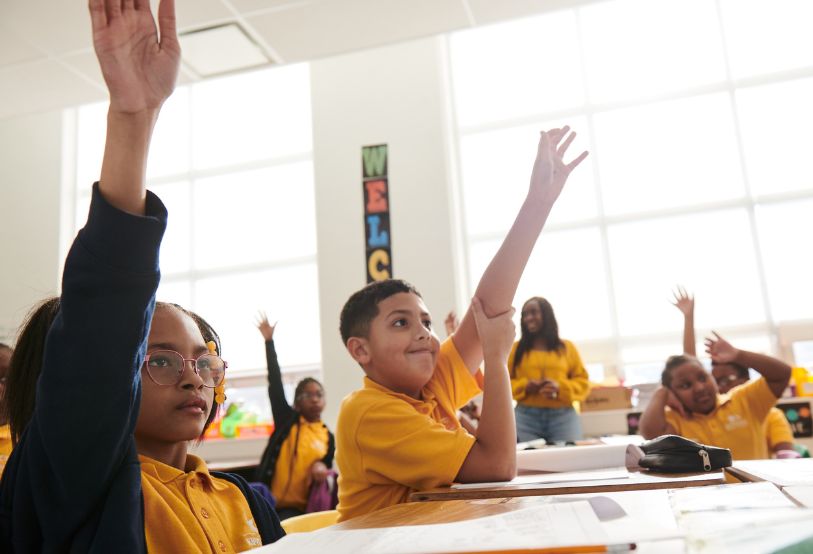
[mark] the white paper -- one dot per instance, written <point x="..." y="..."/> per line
<point x="785" y="473"/>
<point x="729" y="497"/>
<point x="549" y="478"/>
<point x="801" y="494"/>
<point x="547" y="525"/>
<point x="579" y="458"/>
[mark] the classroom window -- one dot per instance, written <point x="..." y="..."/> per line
<point x="232" y="160"/>
<point x="698" y="174"/>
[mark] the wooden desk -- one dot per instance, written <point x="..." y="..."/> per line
<point x="642" y="480"/>
<point x="425" y="513"/>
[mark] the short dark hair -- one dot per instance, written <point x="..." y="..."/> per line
<point x="674" y="361"/>
<point x="742" y="371"/>
<point x="209" y="334"/>
<point x="26" y="366"/>
<point x="362" y="306"/>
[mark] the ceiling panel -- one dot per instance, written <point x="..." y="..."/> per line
<point x="42" y="86"/>
<point x="56" y="27"/>
<point x="247" y="6"/>
<point x="194" y="14"/>
<point x="491" y="11"/>
<point x="319" y="29"/>
<point x="14" y="48"/>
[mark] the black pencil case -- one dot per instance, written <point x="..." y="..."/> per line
<point x="674" y="454"/>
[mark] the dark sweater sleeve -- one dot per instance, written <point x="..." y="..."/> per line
<point x="89" y="390"/>
<point x="281" y="411"/>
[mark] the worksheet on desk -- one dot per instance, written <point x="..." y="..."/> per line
<point x="544" y="526"/>
<point x="550" y="478"/>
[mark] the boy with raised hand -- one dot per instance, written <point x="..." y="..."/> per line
<point x="400" y="433"/>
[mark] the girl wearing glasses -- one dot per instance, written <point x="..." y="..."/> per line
<point x="778" y="433"/>
<point x="125" y="385"/>
<point x="300" y="450"/>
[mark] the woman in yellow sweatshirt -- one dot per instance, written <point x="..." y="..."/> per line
<point x="547" y="376"/>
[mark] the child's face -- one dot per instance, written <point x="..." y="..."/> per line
<point x="401" y="349"/>
<point x="694" y="387"/>
<point x="310" y="402"/>
<point x="174" y="413"/>
<point x="726" y="377"/>
<point x="532" y="316"/>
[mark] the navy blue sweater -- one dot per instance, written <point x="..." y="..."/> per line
<point x="73" y="483"/>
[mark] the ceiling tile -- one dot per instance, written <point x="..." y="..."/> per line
<point x="43" y="86"/>
<point x="194" y="14"/>
<point x="55" y="27"/>
<point x="220" y="50"/>
<point x="316" y="30"/>
<point x="246" y="6"/>
<point x="13" y="48"/>
<point x="489" y="11"/>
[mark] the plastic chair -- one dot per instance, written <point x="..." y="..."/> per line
<point x="309" y="522"/>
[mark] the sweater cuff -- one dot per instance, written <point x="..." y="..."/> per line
<point x="109" y="233"/>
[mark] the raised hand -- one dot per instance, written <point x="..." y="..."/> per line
<point x="720" y="350"/>
<point x="683" y="301"/>
<point x="550" y="170"/>
<point x="139" y="66"/>
<point x="264" y="326"/>
<point x="496" y="333"/>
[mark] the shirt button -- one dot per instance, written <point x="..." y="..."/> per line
<point x="204" y="513"/>
<point x="222" y="546"/>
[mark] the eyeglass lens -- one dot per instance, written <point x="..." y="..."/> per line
<point x="166" y="368"/>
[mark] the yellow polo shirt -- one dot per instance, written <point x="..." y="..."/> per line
<point x="389" y="444"/>
<point x="305" y="444"/>
<point x="563" y="366"/>
<point x="737" y="423"/>
<point x="192" y="511"/>
<point x="5" y="445"/>
<point x="777" y="428"/>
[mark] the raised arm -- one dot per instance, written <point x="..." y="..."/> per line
<point x="499" y="281"/>
<point x="776" y="372"/>
<point x="494" y="454"/>
<point x="140" y="68"/>
<point x="280" y="409"/>
<point x="653" y="421"/>
<point x="684" y="302"/>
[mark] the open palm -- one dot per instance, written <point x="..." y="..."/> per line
<point x="550" y="170"/>
<point x="140" y="71"/>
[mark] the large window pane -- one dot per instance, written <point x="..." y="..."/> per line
<point x="255" y="216"/>
<point x="175" y="251"/>
<point x="169" y="151"/>
<point x="496" y="168"/>
<point x="765" y="37"/>
<point x="776" y="122"/>
<point x="711" y="254"/>
<point x="91" y="123"/>
<point x="567" y="268"/>
<point x="252" y="116"/>
<point x="636" y="48"/>
<point x="230" y="304"/>
<point x="511" y="70"/>
<point x="786" y="238"/>
<point x="668" y="154"/>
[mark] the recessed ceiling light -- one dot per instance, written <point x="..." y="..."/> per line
<point x="221" y="49"/>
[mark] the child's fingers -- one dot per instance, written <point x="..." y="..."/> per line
<point x="98" y="16"/>
<point x="113" y="9"/>
<point x="166" y="21"/>
<point x="572" y="165"/>
<point x="563" y="148"/>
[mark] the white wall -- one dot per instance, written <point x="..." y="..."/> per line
<point x="30" y="172"/>
<point x="391" y="95"/>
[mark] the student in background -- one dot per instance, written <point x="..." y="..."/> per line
<point x="300" y="451"/>
<point x="5" y="431"/>
<point x="729" y="375"/>
<point x="688" y="403"/>
<point x="547" y="377"/>
<point x="125" y="385"/>
<point x="400" y="432"/>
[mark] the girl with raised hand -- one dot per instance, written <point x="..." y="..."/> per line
<point x="301" y="448"/>
<point x="102" y="465"/>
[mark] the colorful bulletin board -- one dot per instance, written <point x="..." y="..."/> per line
<point x="798" y="415"/>
<point x="376" y="212"/>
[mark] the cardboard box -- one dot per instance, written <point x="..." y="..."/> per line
<point x="607" y="398"/>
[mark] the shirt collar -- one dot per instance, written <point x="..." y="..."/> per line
<point x="426" y="404"/>
<point x="195" y="467"/>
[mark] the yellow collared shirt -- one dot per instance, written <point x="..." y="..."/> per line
<point x="777" y="428"/>
<point x="737" y="423"/>
<point x="5" y="445"/>
<point x="563" y="366"/>
<point x="306" y="443"/>
<point x="390" y="444"/>
<point x="191" y="511"/>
